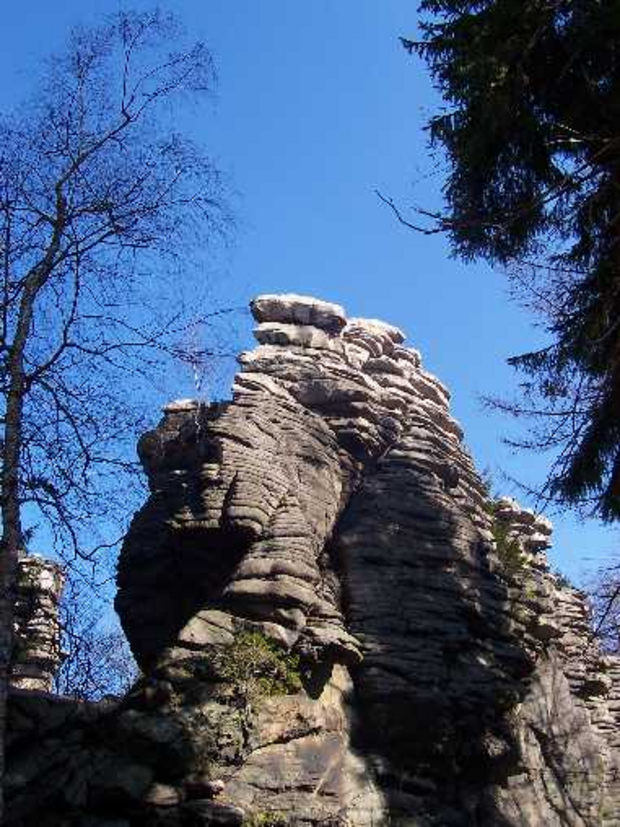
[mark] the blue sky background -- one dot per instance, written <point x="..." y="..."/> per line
<point x="317" y="106"/>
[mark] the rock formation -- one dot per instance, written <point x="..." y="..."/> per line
<point x="37" y="653"/>
<point x="336" y="625"/>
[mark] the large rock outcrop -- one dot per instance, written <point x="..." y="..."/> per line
<point x="336" y="624"/>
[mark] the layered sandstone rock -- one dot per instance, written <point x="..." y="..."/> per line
<point x="37" y="651"/>
<point x="337" y="626"/>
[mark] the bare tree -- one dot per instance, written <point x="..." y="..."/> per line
<point x="97" y="660"/>
<point x="604" y="593"/>
<point x="97" y="190"/>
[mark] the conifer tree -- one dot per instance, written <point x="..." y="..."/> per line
<point x="531" y="130"/>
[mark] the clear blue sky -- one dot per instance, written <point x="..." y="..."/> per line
<point x="317" y="106"/>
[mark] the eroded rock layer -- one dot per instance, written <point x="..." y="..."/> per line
<point x="37" y="652"/>
<point x="336" y="625"/>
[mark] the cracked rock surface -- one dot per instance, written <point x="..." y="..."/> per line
<point x="336" y="625"/>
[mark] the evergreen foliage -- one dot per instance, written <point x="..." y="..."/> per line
<point x="530" y="129"/>
<point x="507" y="546"/>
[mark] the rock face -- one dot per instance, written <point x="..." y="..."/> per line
<point x="336" y="625"/>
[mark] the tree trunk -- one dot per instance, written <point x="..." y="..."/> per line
<point x="11" y="542"/>
<point x="9" y="549"/>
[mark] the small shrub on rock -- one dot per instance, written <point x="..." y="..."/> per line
<point x="265" y="819"/>
<point x="508" y="549"/>
<point x="258" y="667"/>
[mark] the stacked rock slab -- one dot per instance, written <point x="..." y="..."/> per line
<point x="336" y="625"/>
<point x="37" y="651"/>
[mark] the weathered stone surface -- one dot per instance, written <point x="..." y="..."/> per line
<point x="37" y="653"/>
<point x="336" y="626"/>
<point x="162" y="795"/>
<point x="299" y="310"/>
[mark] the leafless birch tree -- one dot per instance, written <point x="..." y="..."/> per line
<point x="96" y="192"/>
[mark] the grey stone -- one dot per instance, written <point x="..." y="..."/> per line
<point x="277" y="333"/>
<point x="162" y="795"/>
<point x="204" y="812"/>
<point x="37" y="628"/>
<point x="300" y="310"/>
<point x="120" y="781"/>
<point x="320" y="584"/>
